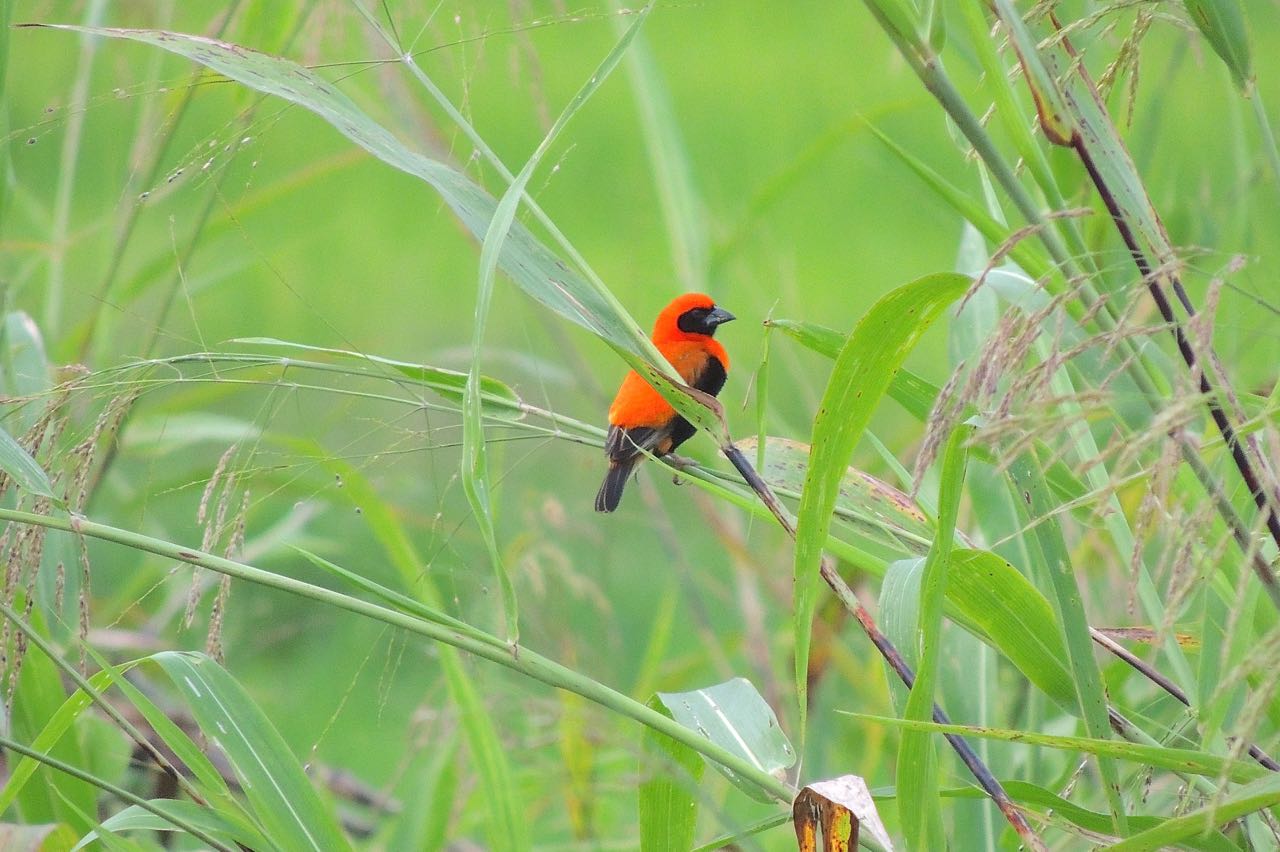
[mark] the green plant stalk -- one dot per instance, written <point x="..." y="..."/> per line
<point x="1268" y="135"/>
<point x="918" y="785"/>
<point x="1140" y="369"/>
<point x="928" y="69"/>
<point x="107" y="786"/>
<point x="1096" y="143"/>
<point x="527" y="662"/>
<point x="475" y="466"/>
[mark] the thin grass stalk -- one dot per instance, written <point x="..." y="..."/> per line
<point x="1154" y="274"/>
<point x="70" y="156"/>
<point x="1153" y="675"/>
<point x="124" y="234"/>
<point x="119" y="792"/>
<point x="82" y="683"/>
<point x="527" y="662"/>
<point x="926" y="66"/>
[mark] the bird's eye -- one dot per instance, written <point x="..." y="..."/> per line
<point x="694" y="321"/>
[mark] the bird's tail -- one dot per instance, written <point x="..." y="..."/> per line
<point x="615" y="480"/>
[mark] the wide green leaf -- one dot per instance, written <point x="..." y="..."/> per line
<point x="874" y="508"/>
<point x="283" y="799"/>
<point x="863" y="372"/>
<point x="734" y="716"/>
<point x="1015" y="618"/>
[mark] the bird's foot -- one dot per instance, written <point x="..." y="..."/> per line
<point x="679" y="464"/>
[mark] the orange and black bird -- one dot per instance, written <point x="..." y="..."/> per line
<point x="640" y="419"/>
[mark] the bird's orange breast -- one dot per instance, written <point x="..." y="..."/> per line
<point x="638" y="404"/>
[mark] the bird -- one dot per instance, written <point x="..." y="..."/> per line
<point x="640" y="420"/>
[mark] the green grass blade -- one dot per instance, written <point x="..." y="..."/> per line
<point x="667" y="801"/>
<point x="919" y="804"/>
<point x="862" y="373"/>
<point x="682" y="208"/>
<point x="1047" y="545"/>
<point x="1222" y="24"/>
<point x="178" y="813"/>
<point x="291" y="812"/>
<point x="475" y="459"/>
<point x="970" y="209"/>
<point x="1179" y="760"/>
<point x="1256" y="796"/>
<point x="913" y="392"/>
<point x="498" y="398"/>
<point x="1051" y="805"/>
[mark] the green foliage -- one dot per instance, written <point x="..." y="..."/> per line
<point x="280" y="404"/>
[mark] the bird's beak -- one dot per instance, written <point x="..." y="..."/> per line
<point x="719" y="316"/>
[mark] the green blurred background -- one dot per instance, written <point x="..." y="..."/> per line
<point x="277" y="226"/>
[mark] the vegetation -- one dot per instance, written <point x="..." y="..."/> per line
<point x="312" y="315"/>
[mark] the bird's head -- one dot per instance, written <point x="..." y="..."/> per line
<point x="690" y="314"/>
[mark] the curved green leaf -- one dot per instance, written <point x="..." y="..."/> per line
<point x="1015" y="618"/>
<point x="496" y="396"/>
<point x="290" y="810"/>
<point x="1221" y="22"/>
<point x="863" y="372"/>
<point x="874" y="508"/>
<point x="211" y="822"/>
<point x="734" y="716"/>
